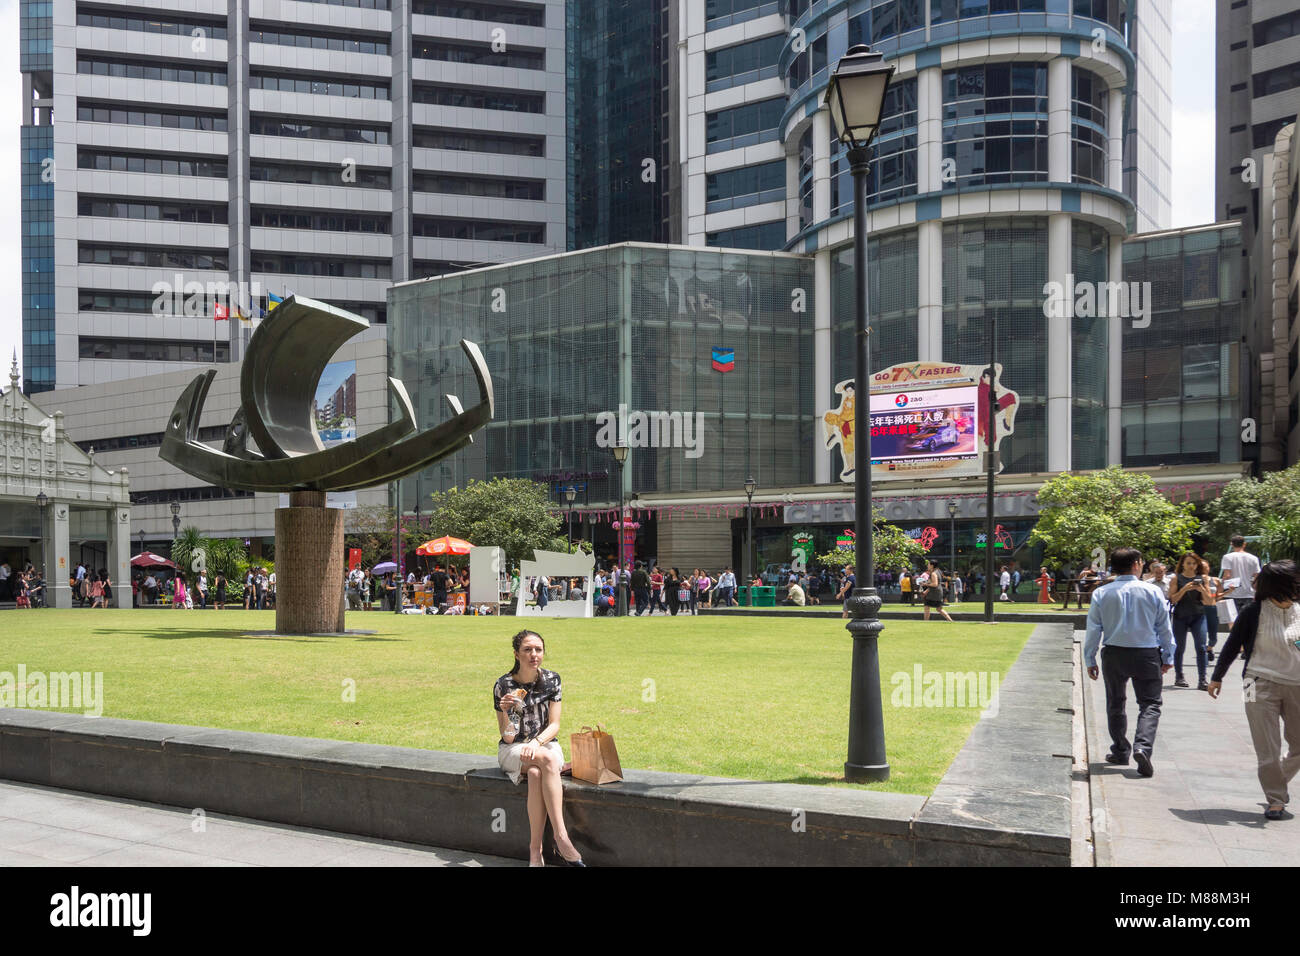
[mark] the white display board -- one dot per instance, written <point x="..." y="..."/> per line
<point x="554" y="564"/>
<point x="485" y="567"/>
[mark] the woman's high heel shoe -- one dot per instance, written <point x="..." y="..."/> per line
<point x="577" y="862"/>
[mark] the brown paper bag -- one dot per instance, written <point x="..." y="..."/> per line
<point x="595" y="758"/>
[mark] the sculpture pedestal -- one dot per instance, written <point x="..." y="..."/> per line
<point x="309" y="566"/>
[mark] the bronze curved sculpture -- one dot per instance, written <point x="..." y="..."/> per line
<point x="285" y="359"/>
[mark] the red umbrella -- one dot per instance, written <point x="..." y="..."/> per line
<point x="148" y="559"/>
<point x="444" y="545"/>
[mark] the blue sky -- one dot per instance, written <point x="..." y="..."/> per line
<point x="1193" y="146"/>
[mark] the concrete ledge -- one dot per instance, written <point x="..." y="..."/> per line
<point x="1007" y="795"/>
<point x="1005" y="801"/>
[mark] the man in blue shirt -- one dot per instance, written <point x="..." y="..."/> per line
<point x="1129" y="618"/>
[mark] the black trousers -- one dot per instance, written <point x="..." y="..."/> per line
<point x="1141" y="665"/>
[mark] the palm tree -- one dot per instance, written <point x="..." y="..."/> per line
<point x="189" y="542"/>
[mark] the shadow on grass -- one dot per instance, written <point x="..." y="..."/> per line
<point x="173" y="634"/>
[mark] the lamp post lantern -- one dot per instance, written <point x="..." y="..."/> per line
<point x="176" y="520"/>
<point x="569" y="494"/>
<point x="750" y="486"/>
<point x="855" y="97"/>
<point x="620" y="458"/>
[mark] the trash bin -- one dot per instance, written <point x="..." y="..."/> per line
<point x="765" y="597"/>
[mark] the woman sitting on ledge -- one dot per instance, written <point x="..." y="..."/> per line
<point x="527" y="702"/>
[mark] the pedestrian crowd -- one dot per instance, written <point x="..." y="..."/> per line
<point x="1140" y="618"/>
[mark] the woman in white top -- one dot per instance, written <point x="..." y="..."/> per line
<point x="1267" y="634"/>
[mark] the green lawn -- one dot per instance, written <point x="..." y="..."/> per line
<point x="748" y="697"/>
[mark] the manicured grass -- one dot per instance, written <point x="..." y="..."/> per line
<point x="748" y="697"/>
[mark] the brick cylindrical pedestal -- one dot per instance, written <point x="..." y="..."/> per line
<point x="308" y="566"/>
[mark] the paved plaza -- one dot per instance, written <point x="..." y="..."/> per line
<point x="42" y="826"/>
<point x="1204" y="806"/>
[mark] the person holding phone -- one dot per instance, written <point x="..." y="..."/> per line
<point x="1266" y="634"/>
<point x="1188" y="591"/>
<point x="527" y="703"/>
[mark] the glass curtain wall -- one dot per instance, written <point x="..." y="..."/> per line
<point x="554" y="333"/>
<point x="1182" y="373"/>
<point x="998" y="266"/>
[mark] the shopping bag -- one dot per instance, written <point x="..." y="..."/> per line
<point x="595" y="758"/>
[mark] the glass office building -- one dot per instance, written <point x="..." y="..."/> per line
<point x="617" y="93"/>
<point x="1186" y="375"/>
<point x="570" y="337"/>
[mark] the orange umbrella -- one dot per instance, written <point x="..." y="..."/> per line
<point x="444" y="545"/>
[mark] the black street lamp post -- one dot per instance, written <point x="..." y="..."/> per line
<point x="176" y="520"/>
<point x="750" y="486"/>
<point x="620" y="458"/>
<point x="856" y="99"/>
<point x="569" y="494"/>
<point x="990" y="528"/>
<point x="952" y="547"/>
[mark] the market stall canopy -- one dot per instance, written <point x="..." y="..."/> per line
<point x="147" y="559"/>
<point x="444" y="545"/>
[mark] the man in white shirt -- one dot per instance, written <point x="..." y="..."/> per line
<point x="1004" y="582"/>
<point x="1241" y="565"/>
<point x="794" y="596"/>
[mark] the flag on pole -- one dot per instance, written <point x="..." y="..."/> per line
<point x="241" y="316"/>
<point x="221" y="313"/>
<point x="273" y="300"/>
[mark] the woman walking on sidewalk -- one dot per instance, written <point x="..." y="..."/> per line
<point x="1267" y="635"/>
<point x="1188" y="592"/>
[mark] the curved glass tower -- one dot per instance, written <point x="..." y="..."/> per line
<point x="1000" y="168"/>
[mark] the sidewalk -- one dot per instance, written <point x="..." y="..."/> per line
<point x="1204" y="806"/>
<point x="41" y="826"/>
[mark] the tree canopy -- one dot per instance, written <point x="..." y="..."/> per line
<point x="1270" y="507"/>
<point x="514" y="514"/>
<point x="894" y="550"/>
<point x="1110" y="509"/>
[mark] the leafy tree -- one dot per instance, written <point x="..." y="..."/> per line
<point x="218" y="554"/>
<point x="1110" y="509"/>
<point x="1281" y="536"/>
<point x="514" y="514"/>
<point x="893" y="549"/>
<point x="1244" y="505"/>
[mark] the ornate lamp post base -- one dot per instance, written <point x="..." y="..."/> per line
<point x="867" y="762"/>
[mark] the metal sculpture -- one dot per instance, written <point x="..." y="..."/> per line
<point x="285" y="360"/>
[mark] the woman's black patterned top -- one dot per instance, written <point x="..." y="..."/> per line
<point x="537" y="705"/>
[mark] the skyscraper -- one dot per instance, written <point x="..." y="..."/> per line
<point x="223" y="153"/>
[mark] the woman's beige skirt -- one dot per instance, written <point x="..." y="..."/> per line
<point x="510" y="761"/>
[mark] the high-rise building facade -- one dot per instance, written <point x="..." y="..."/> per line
<point x="1257" y="62"/>
<point x="617" y="90"/>
<point x="998" y="174"/>
<point x="179" y="156"/>
<point x="1257" y="92"/>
